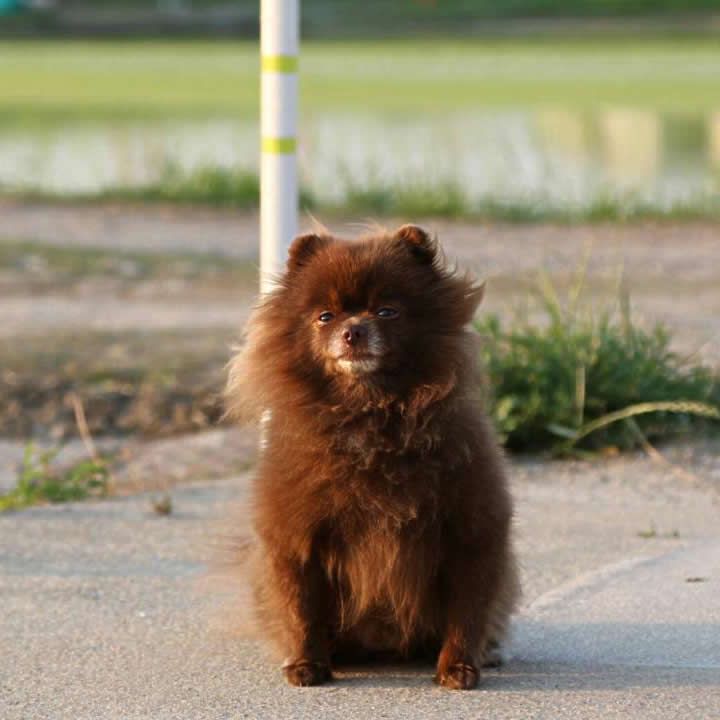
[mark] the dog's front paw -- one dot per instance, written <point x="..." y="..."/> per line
<point x="306" y="672"/>
<point x="458" y="676"/>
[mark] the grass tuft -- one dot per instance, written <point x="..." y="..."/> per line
<point x="39" y="482"/>
<point x="582" y="380"/>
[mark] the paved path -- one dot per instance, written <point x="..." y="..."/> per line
<point x="109" y="611"/>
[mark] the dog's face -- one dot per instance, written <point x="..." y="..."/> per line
<point x="376" y="307"/>
<point x="353" y="340"/>
<point x="357" y="324"/>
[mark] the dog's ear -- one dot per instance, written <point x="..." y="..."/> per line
<point x="421" y="245"/>
<point x="303" y="248"/>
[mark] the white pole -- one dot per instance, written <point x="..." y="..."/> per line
<point x="279" y="44"/>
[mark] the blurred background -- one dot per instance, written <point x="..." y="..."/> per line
<point x="526" y="108"/>
<point x="577" y="137"/>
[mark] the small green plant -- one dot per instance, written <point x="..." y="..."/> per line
<point x="40" y="482"/>
<point x="586" y="380"/>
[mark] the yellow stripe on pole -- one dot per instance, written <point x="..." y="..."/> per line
<point x="279" y="146"/>
<point x="279" y="63"/>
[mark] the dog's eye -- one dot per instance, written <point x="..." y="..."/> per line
<point x="387" y="313"/>
<point x="325" y="317"/>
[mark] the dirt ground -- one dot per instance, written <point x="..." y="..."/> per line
<point x="85" y="288"/>
<point x="671" y="269"/>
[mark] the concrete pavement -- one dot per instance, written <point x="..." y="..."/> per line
<point x="109" y="611"/>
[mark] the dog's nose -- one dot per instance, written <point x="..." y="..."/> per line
<point x="354" y="334"/>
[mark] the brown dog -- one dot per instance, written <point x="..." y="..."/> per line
<point x="381" y="505"/>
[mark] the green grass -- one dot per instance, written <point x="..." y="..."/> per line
<point x="450" y="200"/>
<point x="49" y="83"/>
<point x="211" y="186"/>
<point x="416" y="200"/>
<point x="206" y="186"/>
<point x="240" y="189"/>
<point x="586" y="379"/>
<point x="39" y="482"/>
<point x="45" y="85"/>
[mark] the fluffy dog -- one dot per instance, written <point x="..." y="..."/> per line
<point x="380" y="502"/>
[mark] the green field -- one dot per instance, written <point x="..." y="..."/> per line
<point x="47" y="83"/>
<point x="360" y="104"/>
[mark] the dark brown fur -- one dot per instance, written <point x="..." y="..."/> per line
<point x="381" y="506"/>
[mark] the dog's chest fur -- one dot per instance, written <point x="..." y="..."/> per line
<point x="384" y="548"/>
